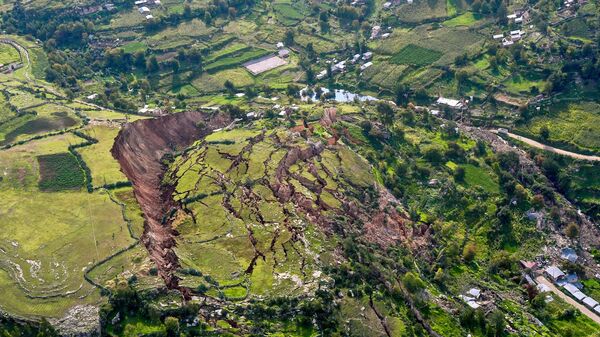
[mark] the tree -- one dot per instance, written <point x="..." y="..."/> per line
<point x="469" y="252"/>
<point x="152" y="65"/>
<point x="172" y="326"/>
<point x="413" y="282"/>
<point x="386" y="112"/>
<point x="497" y="323"/>
<point x="230" y="87"/>
<point x="289" y="37"/>
<point x="544" y="132"/>
<point x="459" y="174"/>
<point x="572" y="230"/>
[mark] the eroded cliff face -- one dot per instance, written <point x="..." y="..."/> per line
<point x="140" y="149"/>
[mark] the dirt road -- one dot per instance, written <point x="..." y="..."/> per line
<point x="548" y="148"/>
<point x="579" y="306"/>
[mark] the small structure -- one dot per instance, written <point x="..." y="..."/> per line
<point x="149" y="17"/>
<point x="280" y="45"/>
<point x="284" y="53"/>
<point x="387" y="5"/>
<point x="528" y="264"/>
<point x="571" y="288"/>
<point x="375" y="31"/>
<point x="452" y="103"/>
<point x="321" y="75"/>
<point x="144" y="10"/>
<point x="554" y="273"/>
<point x="579" y="296"/>
<point x="543" y="288"/>
<point x="568" y="254"/>
<point x="474" y="292"/>
<point x="497" y="36"/>
<point x="367" y="56"/>
<point x="597" y="309"/>
<point x="590" y="302"/>
<point x="355" y="58"/>
<point x="366" y="65"/>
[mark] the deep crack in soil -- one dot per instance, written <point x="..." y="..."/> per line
<point x="140" y="149"/>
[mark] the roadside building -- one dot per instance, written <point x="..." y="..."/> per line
<point x="366" y="65"/>
<point x="554" y="273"/>
<point x="367" y="56"/>
<point x="590" y="302"/>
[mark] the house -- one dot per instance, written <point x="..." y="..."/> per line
<point x="375" y="31"/>
<point x="507" y="42"/>
<point x="590" y="302"/>
<point x="280" y="45"/>
<point x="385" y="36"/>
<point x="470" y="301"/>
<point x="571" y="288"/>
<point x="141" y="2"/>
<point x="579" y="296"/>
<point x="322" y="74"/>
<point x="497" y="36"/>
<point x="149" y="17"/>
<point x="366" y="65"/>
<point x="339" y="67"/>
<point x="528" y="264"/>
<point x="568" y="254"/>
<point x="543" y="288"/>
<point x="367" y="56"/>
<point x="144" y="10"/>
<point x="597" y="310"/>
<point x="554" y="273"/>
<point x="355" y="58"/>
<point x="387" y="5"/>
<point x="409" y="2"/>
<point x="284" y="53"/>
<point x="474" y="292"/>
<point x="452" y="103"/>
<point x="511" y="16"/>
<point x="92" y="97"/>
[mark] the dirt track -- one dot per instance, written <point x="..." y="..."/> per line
<point x="140" y="148"/>
<point x="548" y="148"/>
<point x="563" y="296"/>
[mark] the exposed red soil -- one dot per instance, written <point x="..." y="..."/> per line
<point x="140" y="148"/>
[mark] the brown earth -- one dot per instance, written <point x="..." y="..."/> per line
<point x="140" y="148"/>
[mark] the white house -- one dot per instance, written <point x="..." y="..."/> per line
<point x="144" y="10"/>
<point x="366" y="65"/>
<point x="590" y="302"/>
<point x="367" y="56"/>
<point x="554" y="272"/>
<point x="452" y="103"/>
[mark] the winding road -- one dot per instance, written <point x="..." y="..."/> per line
<point x="548" y="148"/>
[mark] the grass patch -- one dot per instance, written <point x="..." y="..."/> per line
<point x="466" y="19"/>
<point x="415" y="55"/>
<point x="59" y="171"/>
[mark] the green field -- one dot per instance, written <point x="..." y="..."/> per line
<point x="575" y="125"/>
<point x="465" y="19"/>
<point x="415" y="55"/>
<point x="59" y="171"/>
<point x="8" y="54"/>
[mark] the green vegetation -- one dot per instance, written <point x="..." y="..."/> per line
<point x="59" y="171"/>
<point x="415" y="55"/>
